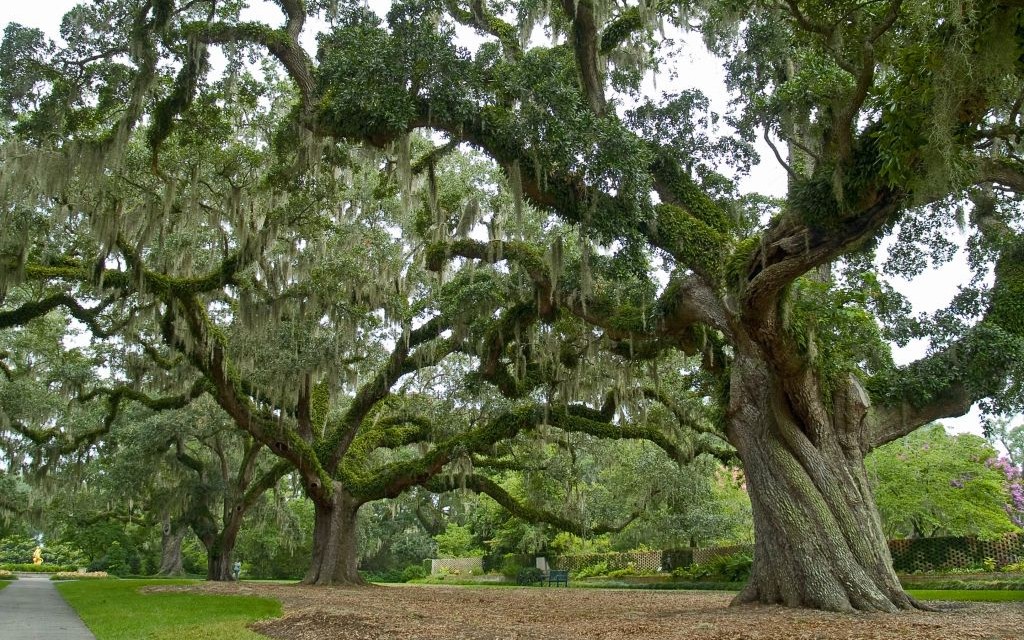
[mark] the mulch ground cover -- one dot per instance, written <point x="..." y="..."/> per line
<point x="465" y="613"/>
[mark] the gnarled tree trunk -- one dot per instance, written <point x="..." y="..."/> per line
<point x="172" y="535"/>
<point x="335" y="549"/>
<point x="218" y="565"/>
<point x="819" y="539"/>
<point x="220" y="551"/>
<point x="220" y="546"/>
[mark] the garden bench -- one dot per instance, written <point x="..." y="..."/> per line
<point x="532" y="576"/>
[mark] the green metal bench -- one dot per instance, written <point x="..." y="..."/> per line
<point x="557" y="577"/>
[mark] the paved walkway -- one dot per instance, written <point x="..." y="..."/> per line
<point x="32" y="609"/>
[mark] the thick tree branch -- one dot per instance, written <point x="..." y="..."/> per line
<point x="36" y="309"/>
<point x="282" y="43"/>
<point x="339" y="436"/>
<point x="486" y="22"/>
<point x="585" y="47"/>
<point x="482" y="484"/>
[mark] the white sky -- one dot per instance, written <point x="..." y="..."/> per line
<point x="930" y="291"/>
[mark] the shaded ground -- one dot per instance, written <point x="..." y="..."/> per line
<point x="462" y="613"/>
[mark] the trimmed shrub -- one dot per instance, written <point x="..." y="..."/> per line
<point x="79" y="575"/>
<point x="38" y="568"/>
<point x="414" y="572"/>
<point x="512" y="563"/>
<point x="530" y="575"/>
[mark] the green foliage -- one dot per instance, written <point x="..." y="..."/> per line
<point x="835" y="328"/>
<point x="931" y="483"/>
<point x="457" y="541"/>
<point x="592" y="570"/>
<point x="529" y="575"/>
<point x="628" y="570"/>
<point x="276" y="541"/>
<point x="512" y="564"/>
<point x="408" y="574"/>
<point x="366" y="96"/>
<point x="1013" y="567"/>
<point x="115" y="561"/>
<point x="726" y="568"/>
<point x="20" y="550"/>
<point x="962" y="584"/>
<point x="414" y="572"/>
<point x="29" y="567"/>
<point x="17" y="549"/>
<point x="193" y="556"/>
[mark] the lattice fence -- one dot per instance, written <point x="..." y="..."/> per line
<point x="928" y="554"/>
<point x="703" y="556"/>
<point x="642" y="561"/>
<point x="456" y="565"/>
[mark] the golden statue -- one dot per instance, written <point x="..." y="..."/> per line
<point x="37" y="556"/>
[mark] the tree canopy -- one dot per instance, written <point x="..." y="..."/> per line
<point x="396" y="257"/>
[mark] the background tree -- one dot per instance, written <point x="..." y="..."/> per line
<point x="930" y="483"/>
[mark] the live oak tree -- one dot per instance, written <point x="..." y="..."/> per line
<point x="898" y="119"/>
<point x="890" y="122"/>
<point x="250" y="260"/>
<point x="223" y="474"/>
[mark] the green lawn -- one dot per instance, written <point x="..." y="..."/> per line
<point x="4" y="583"/>
<point x="115" y="610"/>
<point x="971" y="595"/>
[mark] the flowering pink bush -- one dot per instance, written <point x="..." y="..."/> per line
<point x="1015" y="486"/>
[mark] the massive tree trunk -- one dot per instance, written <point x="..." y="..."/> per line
<point x="218" y="564"/>
<point x="335" y="550"/>
<point x="172" y="535"/>
<point x="819" y="540"/>
<point x="220" y="547"/>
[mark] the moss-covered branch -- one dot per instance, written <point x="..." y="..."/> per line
<point x="403" y="360"/>
<point x="282" y="43"/>
<point x="484" y="21"/>
<point x="585" y="45"/>
<point x="88" y="316"/>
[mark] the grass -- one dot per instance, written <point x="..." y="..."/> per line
<point x="115" y="610"/>
<point x="4" y="583"/>
<point x="968" y="595"/>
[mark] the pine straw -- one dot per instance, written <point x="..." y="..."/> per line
<point x="451" y="613"/>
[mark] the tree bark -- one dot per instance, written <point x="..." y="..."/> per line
<point x="172" y="535"/>
<point x="335" y="548"/>
<point x="819" y="539"/>
<point x="220" y="551"/>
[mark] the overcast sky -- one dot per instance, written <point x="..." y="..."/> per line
<point x="931" y="291"/>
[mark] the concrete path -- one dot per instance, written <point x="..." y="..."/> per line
<point x="32" y="609"/>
